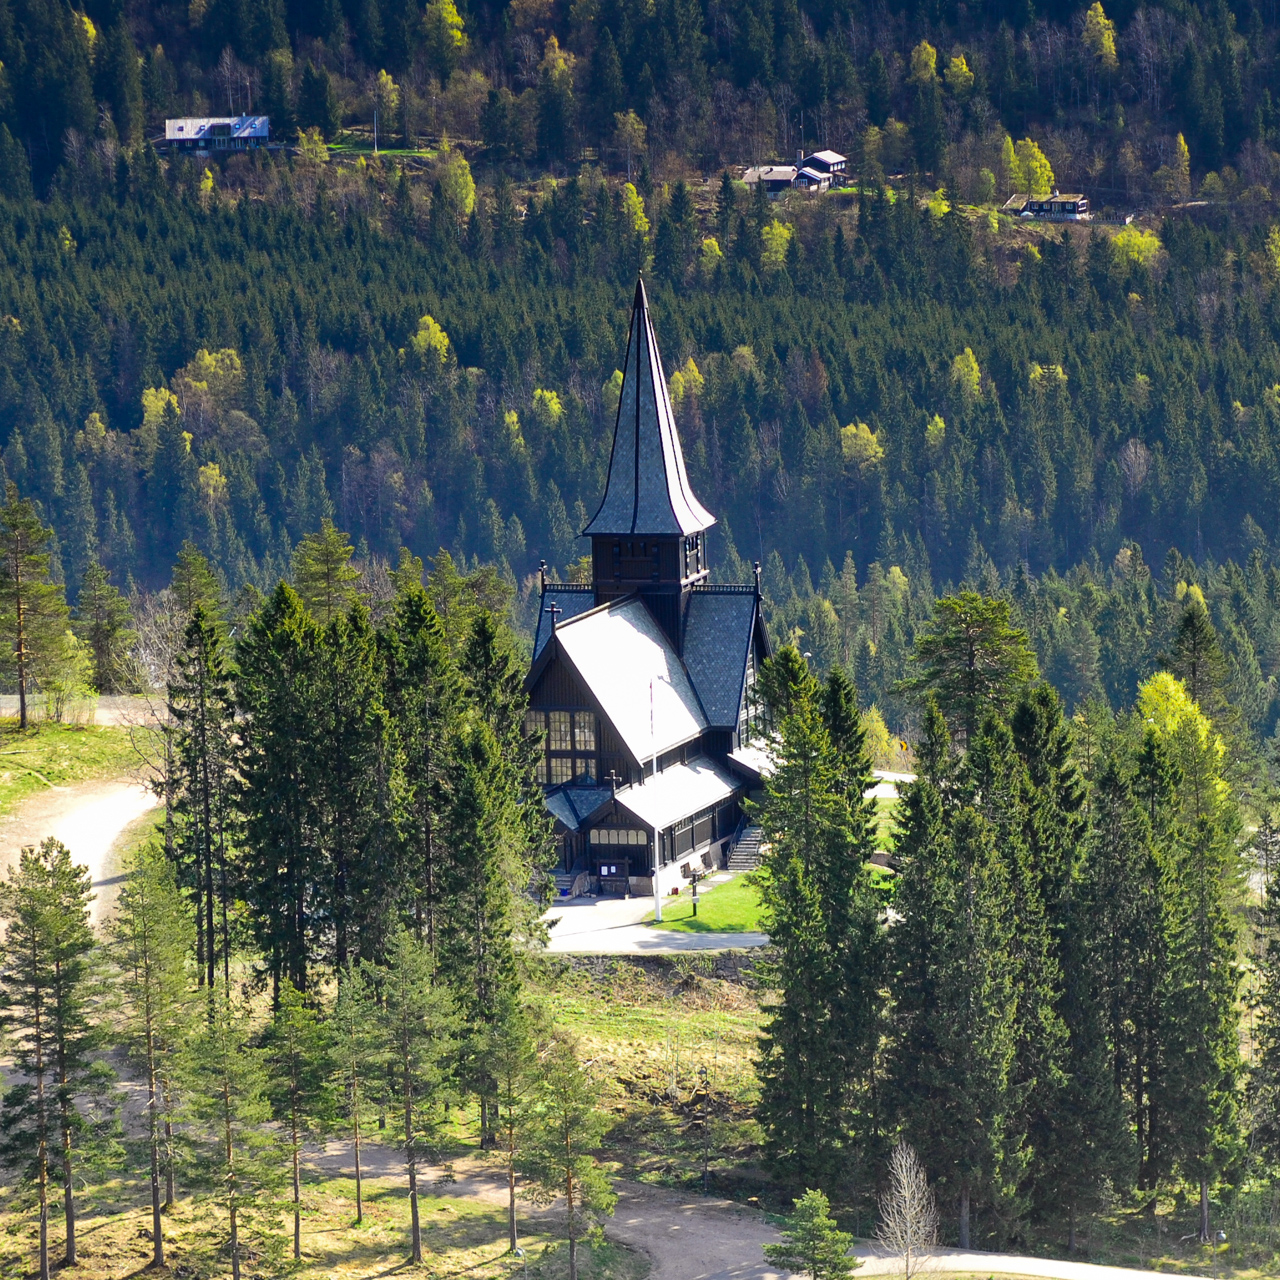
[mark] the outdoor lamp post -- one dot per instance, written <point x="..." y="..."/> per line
<point x="694" y="883"/>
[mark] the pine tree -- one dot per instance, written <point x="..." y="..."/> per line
<point x="973" y="659"/>
<point x="194" y="583"/>
<point x="103" y="620"/>
<point x="152" y="935"/>
<point x="1196" y="658"/>
<point x="417" y="1026"/>
<point x="318" y="105"/>
<point x="567" y="1126"/>
<point x="44" y="986"/>
<point x="1264" y="1074"/>
<point x="322" y="573"/>
<point x="823" y="920"/>
<point x="299" y="1065"/>
<point x="225" y="1083"/>
<point x="33" y="612"/>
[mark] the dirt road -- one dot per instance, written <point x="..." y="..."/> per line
<point x="693" y="1237"/>
<point x="89" y="818"/>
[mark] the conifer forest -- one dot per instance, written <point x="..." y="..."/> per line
<point x="292" y="436"/>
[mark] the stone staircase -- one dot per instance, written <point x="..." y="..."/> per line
<point x="745" y="855"/>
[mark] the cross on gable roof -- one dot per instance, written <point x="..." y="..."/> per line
<point x="648" y="489"/>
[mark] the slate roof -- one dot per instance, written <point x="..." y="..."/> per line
<point x="647" y="490"/>
<point x="572" y="806"/>
<point x="624" y="657"/>
<point x="717" y="636"/>
<point x="678" y="792"/>
<point x="571" y="599"/>
<point x="190" y="128"/>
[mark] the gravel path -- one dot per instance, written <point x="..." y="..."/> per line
<point x="89" y="818"/>
<point x="693" y="1237"/>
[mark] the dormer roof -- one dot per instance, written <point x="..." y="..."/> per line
<point x="648" y="489"/>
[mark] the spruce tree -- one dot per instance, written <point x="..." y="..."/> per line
<point x="566" y="1127"/>
<point x="823" y="920"/>
<point x="152" y="935"/>
<point x="417" y="1037"/>
<point x="224" y="1083"/>
<point x="45" y="994"/>
<point x="479" y="883"/>
<point x="322" y="572"/>
<point x="423" y="698"/>
<point x="205" y="749"/>
<point x="354" y="1029"/>
<point x="104" y="621"/>
<point x="953" y="1042"/>
<point x="812" y="1244"/>
<point x="299" y="1062"/>
<point x="33" y="612"/>
<point x="275" y="680"/>
<point x="354" y="780"/>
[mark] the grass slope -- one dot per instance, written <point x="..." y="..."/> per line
<point x="55" y="755"/>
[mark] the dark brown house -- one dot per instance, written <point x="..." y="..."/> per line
<point x="642" y="681"/>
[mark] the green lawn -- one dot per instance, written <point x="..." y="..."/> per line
<point x="731" y="907"/>
<point x="49" y="755"/>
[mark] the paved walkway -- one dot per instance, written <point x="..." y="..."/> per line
<point x="612" y="927"/>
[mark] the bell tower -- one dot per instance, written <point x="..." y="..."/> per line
<point x="649" y="535"/>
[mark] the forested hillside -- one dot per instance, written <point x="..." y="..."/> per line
<point x="881" y="392"/>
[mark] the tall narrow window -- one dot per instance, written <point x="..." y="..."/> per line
<point x="584" y="731"/>
<point x="560" y="738"/>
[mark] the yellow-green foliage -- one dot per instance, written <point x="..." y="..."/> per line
<point x="1135" y="245"/>
<point x="611" y="392"/>
<point x="633" y="214"/>
<point x="1034" y="174"/>
<point x="456" y="182"/>
<point x="1100" y="36"/>
<point x="860" y="446"/>
<point x="777" y="237"/>
<point x="959" y="77"/>
<point x="547" y="408"/>
<point x="430" y="344"/>
<point x="935" y="432"/>
<point x="966" y="377"/>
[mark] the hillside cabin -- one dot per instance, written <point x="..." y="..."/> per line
<point x="217" y="133"/>
<point x="811" y="180"/>
<point x="1057" y="208"/>
<point x="775" y="178"/>
<point x="831" y="163"/>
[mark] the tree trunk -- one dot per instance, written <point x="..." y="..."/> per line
<point x="157" y="1235"/>
<point x="415" y="1227"/>
<point x="1204" y="1211"/>
<point x="20" y="649"/>
<point x="573" y="1234"/>
<point x="297" y="1199"/>
<point x="68" y="1189"/>
<point x="511" y="1185"/>
<point x="169" y="1192"/>
<point x="964" y="1218"/>
<point x="355" y="1133"/>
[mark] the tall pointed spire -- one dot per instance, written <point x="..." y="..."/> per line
<point x="648" y="489"/>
